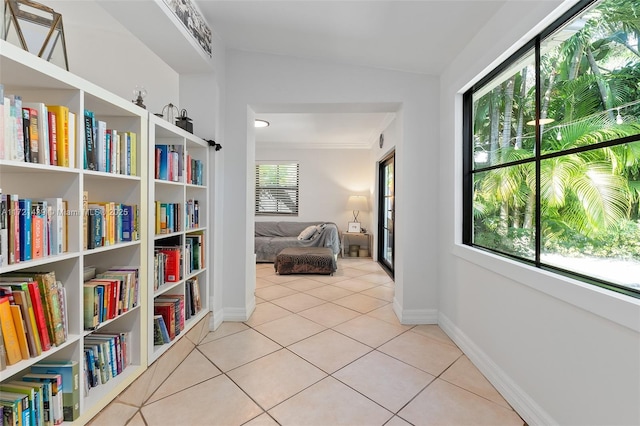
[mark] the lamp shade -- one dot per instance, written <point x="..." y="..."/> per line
<point x="358" y="202"/>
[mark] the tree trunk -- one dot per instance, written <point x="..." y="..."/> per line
<point x="508" y="112"/>
<point x="528" y="211"/>
<point x="495" y="124"/>
<point x="601" y="84"/>
<point x="523" y="94"/>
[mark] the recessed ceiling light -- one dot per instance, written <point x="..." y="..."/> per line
<point x="261" y="123"/>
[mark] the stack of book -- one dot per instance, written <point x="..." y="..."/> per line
<point x="32" y="315"/>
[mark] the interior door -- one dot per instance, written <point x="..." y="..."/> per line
<point x="386" y="212"/>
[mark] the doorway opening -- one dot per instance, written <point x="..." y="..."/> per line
<point x="386" y="212"/>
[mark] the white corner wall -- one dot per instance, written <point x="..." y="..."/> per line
<point x="561" y="352"/>
<point x="103" y="52"/>
<point x="327" y="178"/>
<point x="257" y="79"/>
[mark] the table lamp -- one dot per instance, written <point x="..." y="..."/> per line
<point x="356" y="204"/>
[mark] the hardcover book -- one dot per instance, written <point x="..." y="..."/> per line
<point x="69" y="370"/>
<point x="62" y="133"/>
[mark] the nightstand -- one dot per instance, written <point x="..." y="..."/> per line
<point x="363" y="239"/>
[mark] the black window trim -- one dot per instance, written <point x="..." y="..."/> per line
<point x="467" y="156"/>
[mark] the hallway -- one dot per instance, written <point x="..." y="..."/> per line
<point x="320" y="350"/>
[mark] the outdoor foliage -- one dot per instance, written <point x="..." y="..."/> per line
<point x="590" y="95"/>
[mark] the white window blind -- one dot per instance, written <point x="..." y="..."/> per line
<point x="277" y="189"/>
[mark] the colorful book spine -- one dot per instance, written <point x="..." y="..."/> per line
<point x="62" y="131"/>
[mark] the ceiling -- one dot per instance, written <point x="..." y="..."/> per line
<point x="420" y="36"/>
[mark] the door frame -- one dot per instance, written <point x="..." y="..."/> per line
<point x="382" y="164"/>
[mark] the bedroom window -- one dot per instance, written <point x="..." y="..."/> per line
<point x="277" y="191"/>
<point x="552" y="150"/>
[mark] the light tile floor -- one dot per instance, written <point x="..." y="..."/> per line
<point x="321" y="350"/>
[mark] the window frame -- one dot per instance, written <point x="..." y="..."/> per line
<point x="468" y="170"/>
<point x="279" y="186"/>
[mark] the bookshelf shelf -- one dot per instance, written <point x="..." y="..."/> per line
<point x="17" y="369"/>
<point x="39" y="82"/>
<point x="176" y="159"/>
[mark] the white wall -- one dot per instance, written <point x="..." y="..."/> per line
<point x="560" y="351"/>
<point x="103" y="52"/>
<point x="327" y="178"/>
<point x="256" y="79"/>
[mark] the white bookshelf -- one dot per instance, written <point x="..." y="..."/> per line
<point x="36" y="80"/>
<point x="177" y="191"/>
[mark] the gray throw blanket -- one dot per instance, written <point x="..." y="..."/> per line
<point x="271" y="237"/>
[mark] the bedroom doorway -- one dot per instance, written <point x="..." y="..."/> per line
<point x="386" y="212"/>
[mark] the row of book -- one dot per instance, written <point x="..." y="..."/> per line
<point x="194" y="252"/>
<point x="106" y="355"/>
<point x="171" y="165"/>
<point x="108" y="150"/>
<point x="171" y="217"/>
<point x="195" y="171"/>
<point x="33" y="315"/>
<point x="109" y="294"/>
<point x="172" y="310"/>
<point x="169" y="307"/>
<point x="167" y="264"/>
<point x="109" y="223"/>
<point x="48" y="395"/>
<point x="31" y="228"/>
<point x="34" y="132"/>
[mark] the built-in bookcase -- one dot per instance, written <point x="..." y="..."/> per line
<point x="179" y="225"/>
<point x="36" y="80"/>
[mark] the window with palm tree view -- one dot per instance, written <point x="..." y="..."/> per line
<point x="552" y="149"/>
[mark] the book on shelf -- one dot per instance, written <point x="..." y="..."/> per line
<point x="71" y="135"/>
<point x="167" y="310"/>
<point x="38" y="308"/>
<point x="61" y="113"/>
<point x="4" y="229"/>
<point x="98" y="352"/>
<point x="51" y="292"/>
<point x="172" y="262"/>
<point x="40" y="116"/>
<point x="34" y="133"/>
<point x="178" y="302"/>
<point x="127" y="278"/>
<point x="38" y="230"/>
<point x="55" y="388"/>
<point x="56" y="225"/>
<point x="13" y="205"/>
<point x="9" y="333"/>
<point x="26" y="132"/>
<point x="21" y="331"/>
<point x="34" y="392"/>
<point x="160" y="332"/>
<point x="53" y="138"/>
<point x="70" y="372"/>
<point x="24" y="225"/>
<point x="18" y="293"/>
<point x="43" y="390"/>
<point x="16" y="408"/>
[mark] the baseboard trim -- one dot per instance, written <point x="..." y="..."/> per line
<point x="239" y="314"/>
<point x="215" y="320"/>
<point x="525" y="406"/>
<point x="415" y="316"/>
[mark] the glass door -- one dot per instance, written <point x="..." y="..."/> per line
<point x="386" y="212"/>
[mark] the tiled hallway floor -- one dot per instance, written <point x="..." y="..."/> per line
<point x="322" y="350"/>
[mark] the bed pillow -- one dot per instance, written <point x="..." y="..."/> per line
<point x="308" y="233"/>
